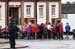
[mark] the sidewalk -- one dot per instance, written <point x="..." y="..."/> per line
<point x="22" y="43"/>
<point x="43" y="44"/>
<point x="7" y="46"/>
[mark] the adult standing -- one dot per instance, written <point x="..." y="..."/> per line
<point x="12" y="32"/>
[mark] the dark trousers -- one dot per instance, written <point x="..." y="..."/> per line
<point x="34" y="35"/>
<point x="45" y="35"/>
<point x="29" y="35"/>
<point x="0" y="35"/>
<point x="24" y="34"/>
<point x="49" y="34"/>
<point x="54" y="35"/>
<point x="61" y="35"/>
<point x="12" y="43"/>
<point x="57" y="35"/>
<point x="39" y="35"/>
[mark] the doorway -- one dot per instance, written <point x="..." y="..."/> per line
<point x="14" y="13"/>
<point x="53" y="21"/>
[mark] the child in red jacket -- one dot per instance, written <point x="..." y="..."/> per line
<point x="34" y="31"/>
<point x="54" y="30"/>
<point x="61" y="31"/>
<point x="0" y="31"/>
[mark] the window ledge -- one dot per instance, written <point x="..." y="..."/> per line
<point x="41" y="17"/>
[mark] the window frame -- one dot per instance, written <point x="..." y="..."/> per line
<point x="28" y="10"/>
<point x="41" y="10"/>
<point x="53" y="10"/>
<point x="64" y="16"/>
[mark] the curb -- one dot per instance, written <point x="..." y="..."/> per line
<point x="16" y="47"/>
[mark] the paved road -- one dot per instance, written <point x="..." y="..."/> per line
<point x="44" y="44"/>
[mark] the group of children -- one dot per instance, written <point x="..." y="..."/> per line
<point x="45" y="31"/>
<point x="42" y="31"/>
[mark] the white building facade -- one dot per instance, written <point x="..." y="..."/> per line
<point x="36" y="12"/>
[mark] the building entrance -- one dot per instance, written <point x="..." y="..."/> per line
<point x="14" y="13"/>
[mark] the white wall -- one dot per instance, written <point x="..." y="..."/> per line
<point x="41" y="19"/>
<point x="2" y="21"/>
<point x="71" y="20"/>
<point x="56" y="10"/>
<point x="32" y="9"/>
<point x="14" y="3"/>
<point x="19" y="16"/>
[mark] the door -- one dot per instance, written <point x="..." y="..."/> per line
<point x="13" y="13"/>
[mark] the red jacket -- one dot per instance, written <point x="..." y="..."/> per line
<point x="53" y="28"/>
<point x="61" y="28"/>
<point x="34" y="29"/>
<point x="0" y="30"/>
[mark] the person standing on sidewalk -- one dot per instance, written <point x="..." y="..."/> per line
<point x="54" y="30"/>
<point x="61" y="31"/>
<point x="67" y="29"/>
<point x="34" y="31"/>
<point x="12" y="32"/>
<point x="44" y="32"/>
<point x="29" y="32"/>
<point x="49" y="30"/>
<point x="24" y="33"/>
<point x="0" y="31"/>
<point x="57" y="29"/>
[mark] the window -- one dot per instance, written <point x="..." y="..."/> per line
<point x="53" y="10"/>
<point x="0" y="12"/>
<point x="28" y="10"/>
<point x="64" y="16"/>
<point x="41" y="10"/>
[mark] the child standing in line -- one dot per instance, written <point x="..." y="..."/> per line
<point x="0" y="31"/>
